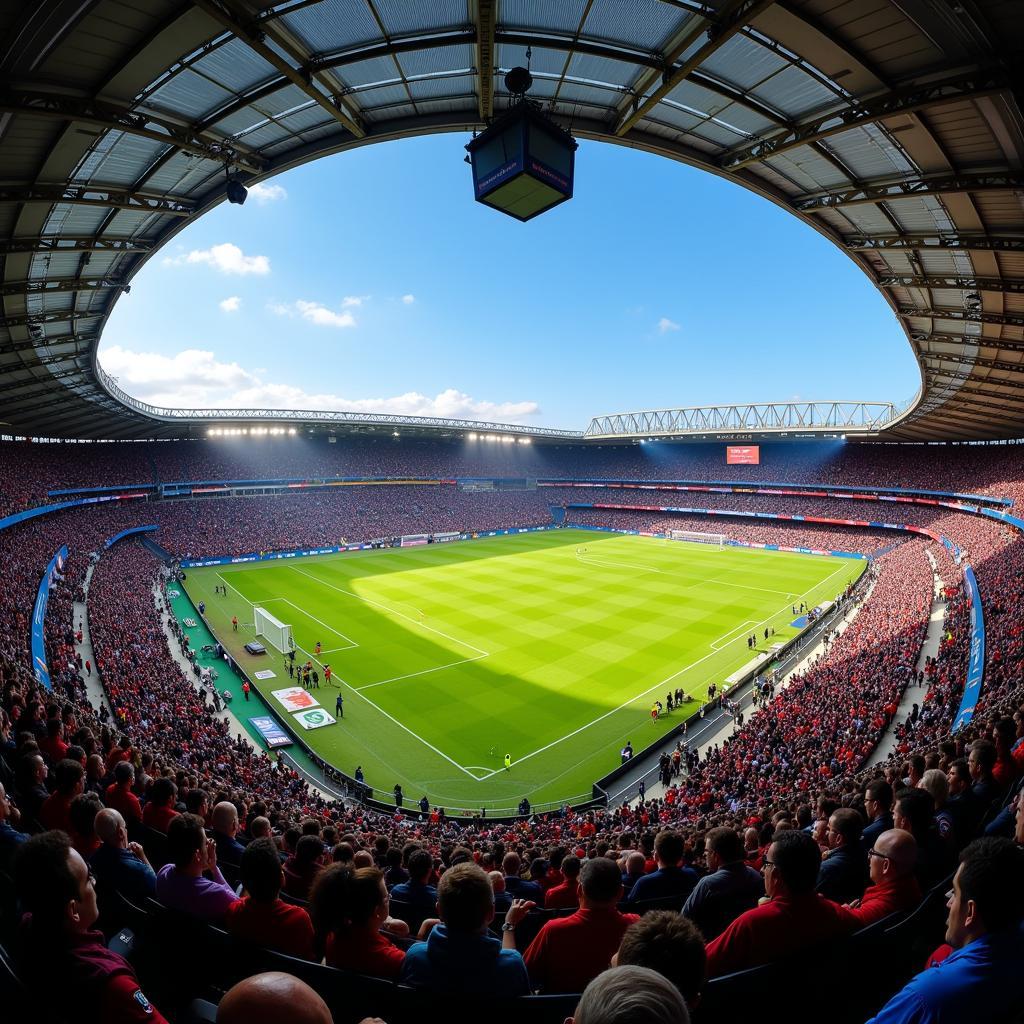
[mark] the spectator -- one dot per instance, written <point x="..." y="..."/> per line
<point x="914" y="812"/>
<point x="670" y="881"/>
<point x="418" y="895"/>
<point x="302" y="867"/>
<point x="635" y="868"/>
<point x="981" y="762"/>
<point x="964" y="807"/>
<point x="730" y="888"/>
<point x="670" y="944"/>
<point x="30" y="790"/>
<point x="192" y="882"/>
<point x="272" y="998"/>
<point x="10" y="837"/>
<point x="83" y="811"/>
<point x="844" y="871"/>
<point x="566" y="893"/>
<point x="936" y="785"/>
<point x="119" y="793"/>
<point x="159" y="811"/>
<point x="225" y="828"/>
<point x="792" y="919"/>
<point x="893" y="888"/>
<point x="64" y="963"/>
<point x="120" y="864"/>
<point x="70" y="781"/>
<point x="980" y="979"/>
<point x="877" y="804"/>
<point x="261" y="916"/>
<point x="459" y="956"/>
<point x="502" y="900"/>
<point x="516" y="886"/>
<point x="631" y="995"/>
<point x="569" y="951"/>
<point x="351" y="909"/>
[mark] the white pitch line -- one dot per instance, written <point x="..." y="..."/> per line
<point x="401" y="725"/>
<point x="313" y="618"/>
<point x="650" y="689"/>
<point x="235" y="589"/>
<point x="392" y="611"/>
<point x="422" y="672"/>
<point x="714" y="643"/>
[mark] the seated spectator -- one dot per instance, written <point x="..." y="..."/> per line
<point x="982" y="762"/>
<point x="965" y="808"/>
<point x="159" y="811"/>
<point x="30" y="788"/>
<point x="351" y="909"/>
<point x="670" y="880"/>
<point x="418" y="895"/>
<point x="670" y="944"/>
<point x="515" y="885"/>
<point x="631" y="995"/>
<point x="10" y="837"/>
<point x="877" y="805"/>
<point x="914" y="812"/>
<point x="261" y="916"/>
<point x="566" y="893"/>
<point x="569" y="951"/>
<point x="936" y="785"/>
<point x="69" y="782"/>
<point x="980" y="979"/>
<point x="793" y="918"/>
<point x="119" y="864"/>
<point x="844" y="871"/>
<point x="63" y="962"/>
<point x="502" y="900"/>
<point x="119" y="793"/>
<point x="730" y="888"/>
<point x="459" y="955"/>
<point x="84" y="809"/>
<point x="894" y="888"/>
<point x="225" y="828"/>
<point x="270" y="999"/>
<point x="302" y="867"/>
<point x="52" y="745"/>
<point x="635" y="867"/>
<point x="192" y="882"/>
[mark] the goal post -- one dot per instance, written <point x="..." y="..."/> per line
<point x="273" y="630"/>
<point x="716" y="540"/>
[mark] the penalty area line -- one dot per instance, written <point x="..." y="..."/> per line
<point x="422" y="672"/>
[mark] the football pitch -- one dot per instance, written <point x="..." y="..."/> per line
<point x="549" y="646"/>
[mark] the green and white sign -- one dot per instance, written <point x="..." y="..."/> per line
<point x="314" y="718"/>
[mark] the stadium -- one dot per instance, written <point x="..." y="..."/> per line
<point x="697" y="713"/>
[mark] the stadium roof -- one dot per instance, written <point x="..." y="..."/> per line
<point x="894" y="127"/>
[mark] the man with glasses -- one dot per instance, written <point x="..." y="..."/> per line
<point x="893" y="887"/>
<point x="793" y="918"/>
<point x="980" y="979"/>
<point x="877" y="804"/>
<point x="63" y="961"/>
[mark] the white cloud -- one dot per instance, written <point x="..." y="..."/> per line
<point x="665" y="325"/>
<point x="264" y="194"/>
<point x="353" y="300"/>
<point x="230" y="304"/>
<point x="314" y="312"/>
<point x="408" y="299"/>
<point x="195" y="377"/>
<point x="226" y="257"/>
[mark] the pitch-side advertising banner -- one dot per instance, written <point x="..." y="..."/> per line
<point x="295" y="698"/>
<point x="315" y="718"/>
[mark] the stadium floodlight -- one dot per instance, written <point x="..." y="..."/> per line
<point x="234" y="189"/>
<point x="523" y="162"/>
<point x="471" y="437"/>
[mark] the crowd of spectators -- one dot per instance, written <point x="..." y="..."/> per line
<point x="159" y="796"/>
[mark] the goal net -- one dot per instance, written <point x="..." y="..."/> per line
<point x="274" y="631"/>
<point x="717" y="540"/>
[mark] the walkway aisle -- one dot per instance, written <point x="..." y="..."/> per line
<point x="914" y="694"/>
<point x="80" y="619"/>
<point x="722" y="726"/>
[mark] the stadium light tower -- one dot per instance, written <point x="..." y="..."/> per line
<point x="523" y="162"/>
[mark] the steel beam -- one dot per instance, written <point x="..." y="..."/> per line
<point x="33" y="285"/>
<point x="730" y="20"/>
<point x="973" y="284"/>
<point x="112" y="117"/>
<point x="99" y="195"/>
<point x="887" y="189"/>
<point x="975" y="85"/>
<point x="62" y="243"/>
<point x="964" y="243"/>
<point x="486" y="20"/>
<point x="258" y="36"/>
<point x="965" y="315"/>
<point x="38" y="319"/>
<point x="986" y="364"/>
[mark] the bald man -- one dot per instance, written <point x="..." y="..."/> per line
<point x="119" y="864"/>
<point x="502" y="900"/>
<point x="271" y="998"/>
<point x="893" y="887"/>
<point x="225" y="827"/>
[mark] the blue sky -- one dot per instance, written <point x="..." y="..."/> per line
<point x="372" y="281"/>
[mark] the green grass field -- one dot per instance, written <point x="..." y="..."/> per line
<point x="549" y="646"/>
